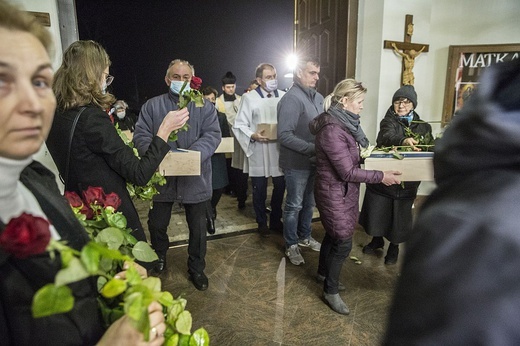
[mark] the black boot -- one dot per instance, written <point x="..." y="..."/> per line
<point x="160" y="265"/>
<point x="376" y="243"/>
<point x="392" y="253"/>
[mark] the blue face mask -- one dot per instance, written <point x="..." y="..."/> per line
<point x="176" y="86"/>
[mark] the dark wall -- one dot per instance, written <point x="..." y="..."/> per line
<point x="216" y="36"/>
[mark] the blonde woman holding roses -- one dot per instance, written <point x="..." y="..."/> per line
<point x="32" y="210"/>
<point x="85" y="144"/>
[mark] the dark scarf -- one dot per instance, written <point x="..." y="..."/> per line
<point x="351" y="122"/>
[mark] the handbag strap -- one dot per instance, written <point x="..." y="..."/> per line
<point x="67" y="162"/>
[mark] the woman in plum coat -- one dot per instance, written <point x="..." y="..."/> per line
<point x="336" y="188"/>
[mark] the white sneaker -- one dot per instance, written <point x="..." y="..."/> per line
<point x="293" y="252"/>
<point x="310" y="242"/>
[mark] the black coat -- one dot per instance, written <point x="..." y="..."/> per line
<point x="219" y="176"/>
<point x="387" y="210"/>
<point x="460" y="280"/>
<point x="100" y="158"/>
<point x="21" y="278"/>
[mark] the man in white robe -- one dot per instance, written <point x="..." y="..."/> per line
<point x="260" y="146"/>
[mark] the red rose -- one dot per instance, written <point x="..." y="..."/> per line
<point x="25" y="236"/>
<point x="195" y="83"/>
<point x="112" y="200"/>
<point x="87" y="211"/>
<point x="74" y="199"/>
<point x="94" y="195"/>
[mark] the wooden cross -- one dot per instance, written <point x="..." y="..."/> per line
<point x="407" y="50"/>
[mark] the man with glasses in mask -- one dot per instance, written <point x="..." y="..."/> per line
<point x="194" y="192"/>
<point x="261" y="149"/>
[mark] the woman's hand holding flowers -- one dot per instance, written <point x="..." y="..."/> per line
<point x="174" y="120"/>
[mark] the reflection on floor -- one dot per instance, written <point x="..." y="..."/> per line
<point x="257" y="297"/>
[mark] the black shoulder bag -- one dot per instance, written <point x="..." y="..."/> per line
<point x="67" y="162"/>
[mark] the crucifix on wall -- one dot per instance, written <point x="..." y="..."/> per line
<point x="407" y="50"/>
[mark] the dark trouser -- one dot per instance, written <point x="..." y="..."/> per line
<point x="332" y="256"/>
<point x="215" y="198"/>
<point x="158" y="220"/>
<point x="260" y="195"/>
<point x="240" y="184"/>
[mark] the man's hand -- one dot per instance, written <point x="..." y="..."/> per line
<point x="259" y="136"/>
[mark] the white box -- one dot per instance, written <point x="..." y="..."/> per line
<point x="227" y="145"/>
<point x="180" y="162"/>
<point x="269" y="130"/>
<point x="415" y="166"/>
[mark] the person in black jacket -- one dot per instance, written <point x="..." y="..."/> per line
<point x="387" y="210"/>
<point x="460" y="282"/>
<point x="90" y="152"/>
<point x="28" y="190"/>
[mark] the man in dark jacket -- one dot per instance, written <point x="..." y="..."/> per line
<point x="193" y="191"/>
<point x="296" y="109"/>
<point x="460" y="282"/>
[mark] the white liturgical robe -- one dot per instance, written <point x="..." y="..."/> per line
<point x="254" y="109"/>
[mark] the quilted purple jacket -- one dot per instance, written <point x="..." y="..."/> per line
<point x="338" y="174"/>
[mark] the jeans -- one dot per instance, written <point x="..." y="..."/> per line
<point x="332" y="256"/>
<point x="158" y="220"/>
<point x="260" y="195"/>
<point x="299" y="205"/>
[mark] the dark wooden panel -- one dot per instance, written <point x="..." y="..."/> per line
<point x="325" y="29"/>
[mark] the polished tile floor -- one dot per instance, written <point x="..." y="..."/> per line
<point x="257" y="297"/>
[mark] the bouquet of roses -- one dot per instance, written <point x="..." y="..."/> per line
<point x="103" y="257"/>
<point x="185" y="97"/>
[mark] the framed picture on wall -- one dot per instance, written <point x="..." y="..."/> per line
<point x="465" y="65"/>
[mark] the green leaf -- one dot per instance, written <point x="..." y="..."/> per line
<point x="51" y="299"/>
<point x="184" y="340"/>
<point x="111" y="236"/>
<point x="199" y="338"/>
<point x="152" y="283"/>
<point x="117" y="220"/>
<point x="164" y="298"/>
<point x="74" y="272"/>
<point x="183" y="323"/>
<point x="172" y="340"/>
<point x="175" y="310"/>
<point x="132" y="276"/>
<point x="90" y="257"/>
<point x="137" y="310"/>
<point x="113" y="288"/>
<point x="198" y="100"/>
<point x="143" y="252"/>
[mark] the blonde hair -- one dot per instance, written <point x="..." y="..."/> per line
<point x="349" y="88"/>
<point x="12" y="18"/>
<point x="76" y="82"/>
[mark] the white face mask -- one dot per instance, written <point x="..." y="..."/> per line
<point x="176" y="86"/>
<point x="271" y="85"/>
<point x="121" y="115"/>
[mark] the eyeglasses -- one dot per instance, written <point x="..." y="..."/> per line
<point x="404" y="102"/>
<point x="109" y="79"/>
